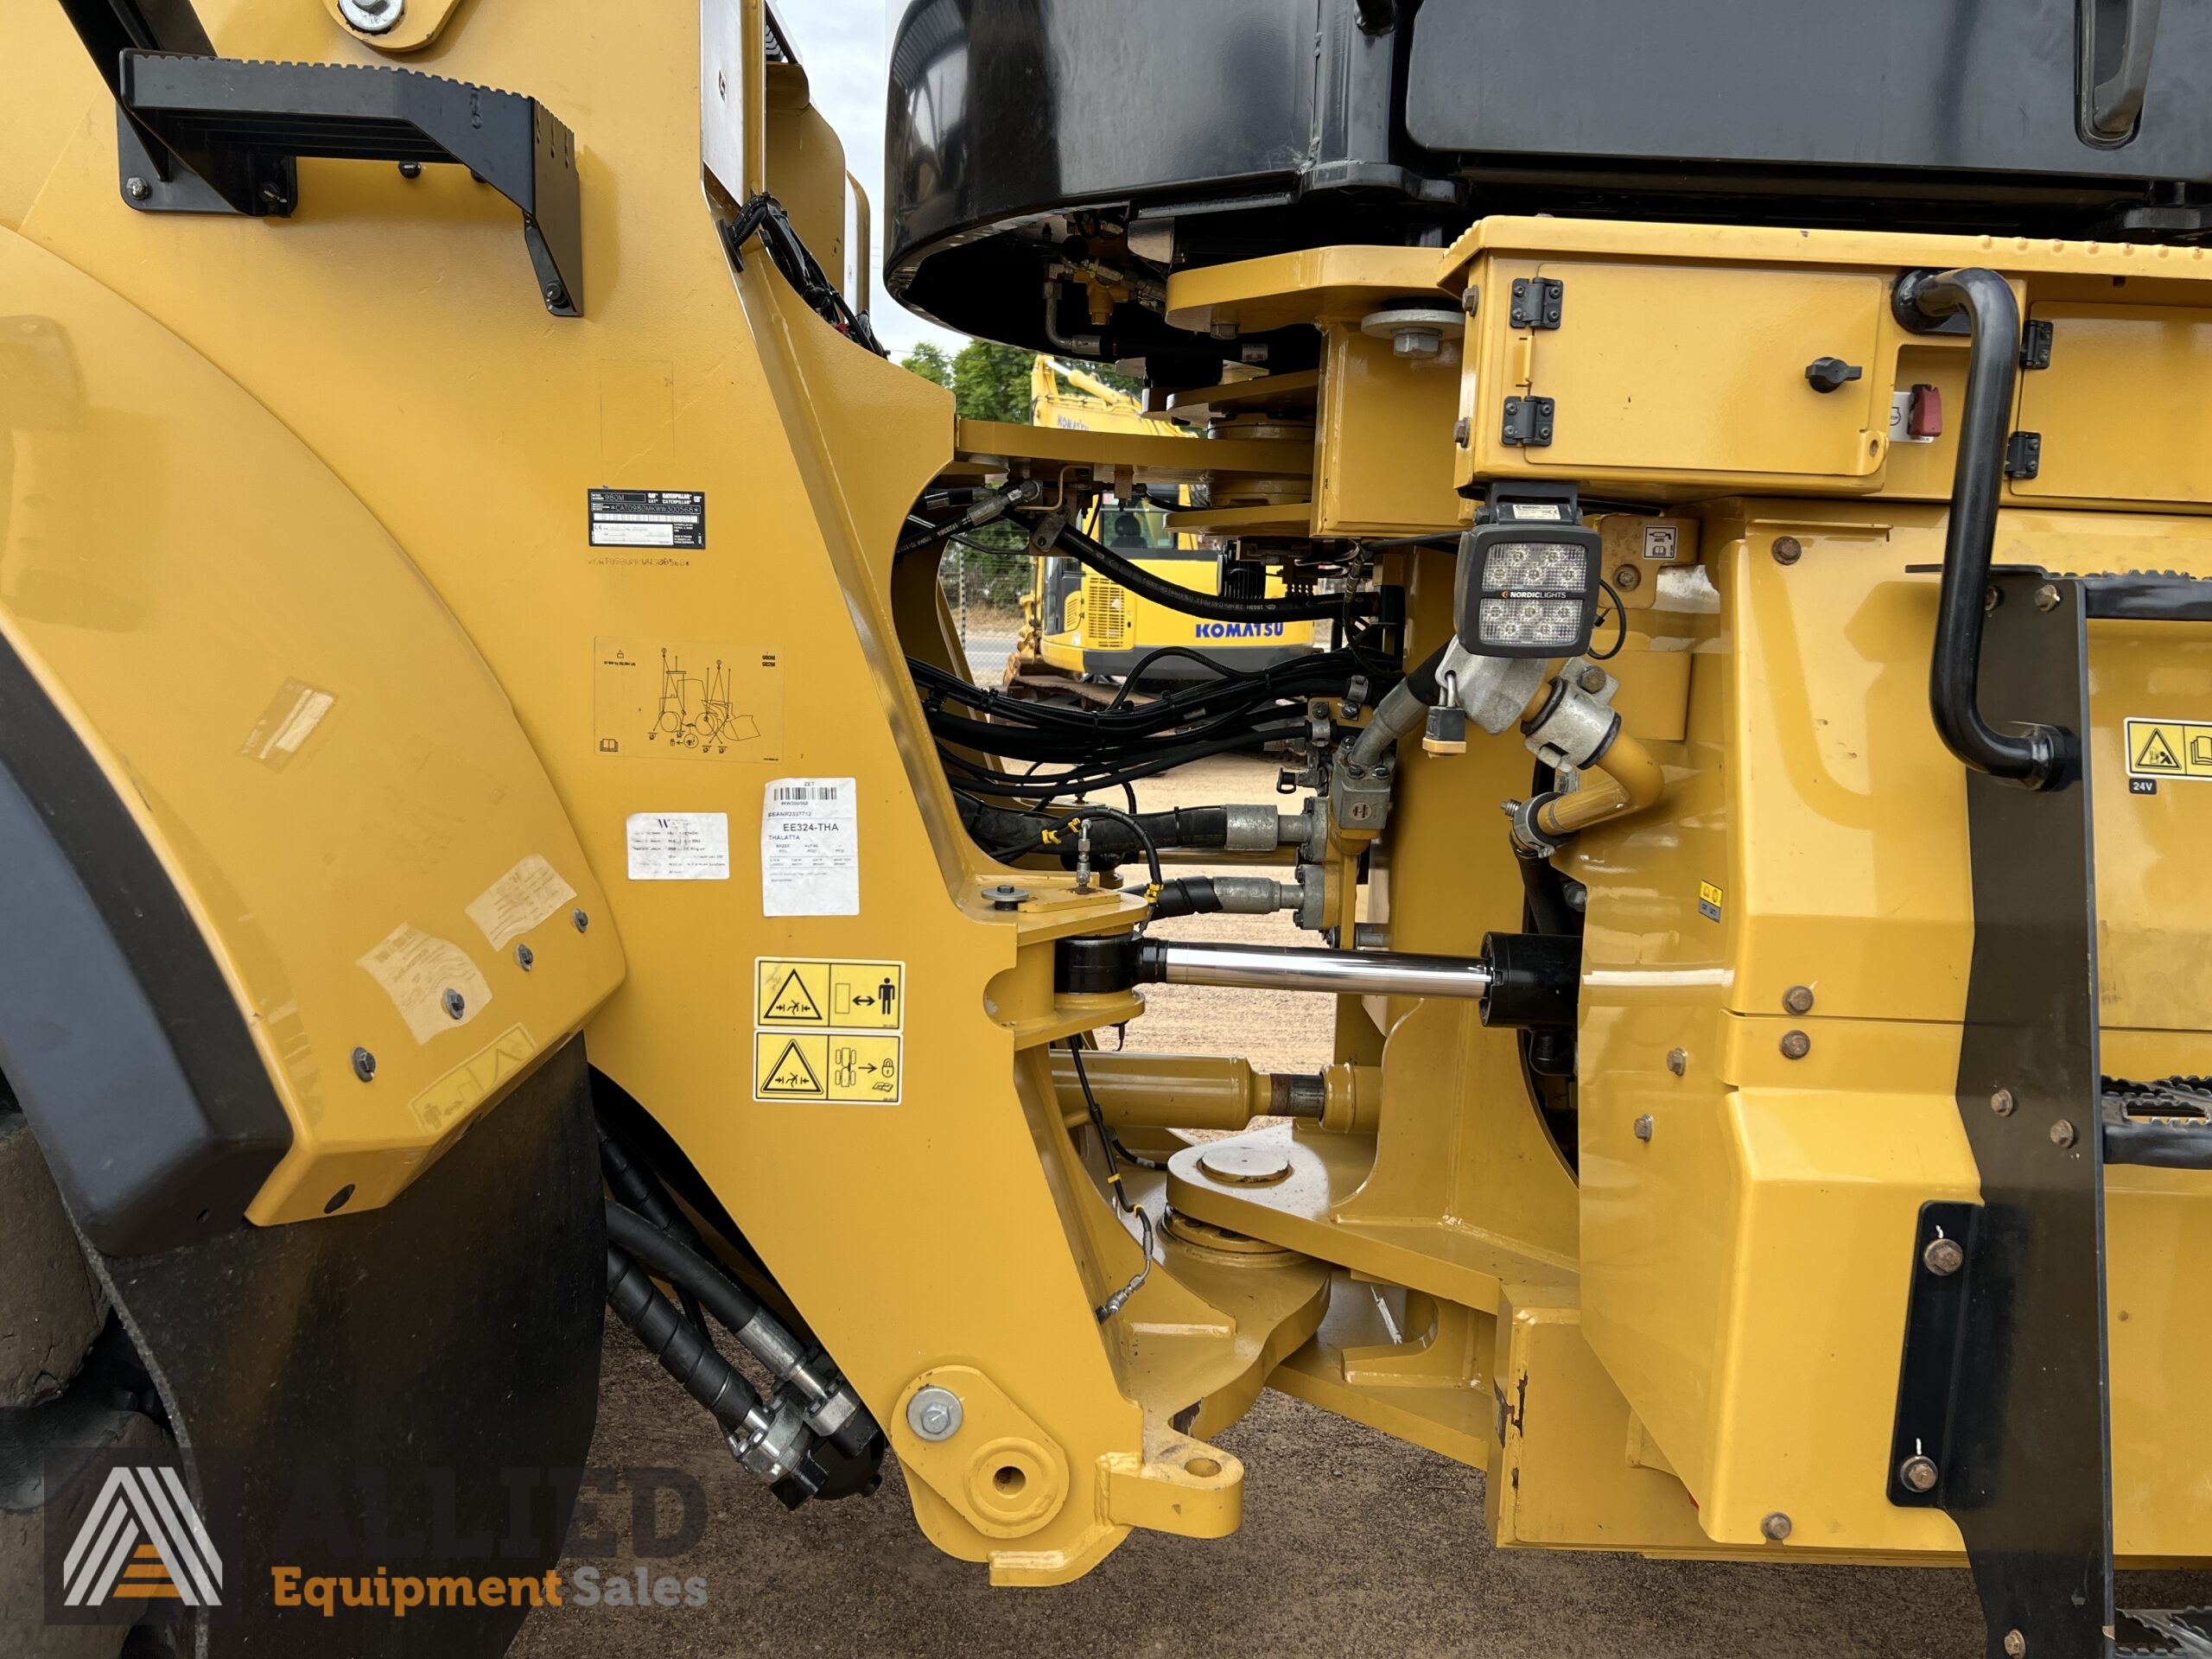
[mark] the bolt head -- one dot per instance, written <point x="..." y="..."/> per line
<point x="2061" y="1133"/>
<point x="582" y="920"/>
<point x="2001" y="1103"/>
<point x="1415" y="342"/>
<point x="1788" y="549"/>
<point x="1471" y="301"/>
<point x="456" y="1005"/>
<point x="1593" y="679"/>
<point x="1628" y="578"/>
<point x="411" y="169"/>
<point x="1643" y="1127"/>
<point x="1798" y="999"/>
<point x="136" y="189"/>
<point x="365" y="1065"/>
<point x="2047" y="598"/>
<point x="1992" y="597"/>
<point x="1775" y="1527"/>
<point x="2015" y="1645"/>
<point x="1943" y="1256"/>
<point x="934" y="1413"/>
<point x="525" y="958"/>
<point x="1918" y="1474"/>
<point x="553" y="293"/>
<point x="1795" y="1045"/>
<point x="1678" y="1060"/>
<point x="1463" y="432"/>
<point x="372" y="16"/>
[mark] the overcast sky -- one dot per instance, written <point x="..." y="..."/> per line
<point x="843" y="44"/>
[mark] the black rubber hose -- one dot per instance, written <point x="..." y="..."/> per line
<point x="725" y="1298"/>
<point x="634" y="1184"/>
<point x="685" y="1351"/>
<point x="2039" y="755"/>
<point x="1189" y="895"/>
<point x="1176" y="597"/>
<point x="1421" y="679"/>
<point x="1110" y="837"/>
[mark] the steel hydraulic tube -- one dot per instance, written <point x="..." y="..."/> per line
<point x="1341" y="973"/>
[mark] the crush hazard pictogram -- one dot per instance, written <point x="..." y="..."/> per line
<point x="788" y="999"/>
<point x="785" y="1070"/>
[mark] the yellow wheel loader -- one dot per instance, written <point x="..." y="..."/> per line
<point x="495" y="826"/>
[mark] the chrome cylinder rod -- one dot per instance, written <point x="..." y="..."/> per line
<point x="1341" y="973"/>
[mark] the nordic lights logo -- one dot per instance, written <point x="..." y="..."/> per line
<point x="142" y="1539"/>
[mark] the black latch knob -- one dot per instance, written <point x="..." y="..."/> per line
<point x="1827" y="373"/>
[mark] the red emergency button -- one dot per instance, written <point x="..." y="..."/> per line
<point x="1923" y="413"/>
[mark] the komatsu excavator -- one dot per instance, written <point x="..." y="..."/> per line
<point x="495" y="825"/>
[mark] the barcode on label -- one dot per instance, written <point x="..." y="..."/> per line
<point x="788" y="793"/>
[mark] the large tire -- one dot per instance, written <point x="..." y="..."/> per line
<point x="51" y="1307"/>
<point x="29" y="1441"/>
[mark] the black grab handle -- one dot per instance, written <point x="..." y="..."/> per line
<point x="1924" y="302"/>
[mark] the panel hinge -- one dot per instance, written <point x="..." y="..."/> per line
<point x="2035" y="345"/>
<point x="1527" y="421"/>
<point x="1537" y="301"/>
<point x="2024" y="454"/>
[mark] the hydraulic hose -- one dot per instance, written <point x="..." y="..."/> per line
<point x="1239" y="828"/>
<point x="1176" y="597"/>
<point x="682" y="1350"/>
<point x="2039" y="755"/>
<point x="1403" y="709"/>
<point x="1205" y="895"/>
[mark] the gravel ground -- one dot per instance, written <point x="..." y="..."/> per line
<point x="1353" y="1544"/>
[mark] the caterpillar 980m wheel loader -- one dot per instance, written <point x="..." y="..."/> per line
<point x="496" y="825"/>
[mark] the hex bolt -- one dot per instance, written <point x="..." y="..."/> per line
<point x="136" y="189"/>
<point x="1463" y="431"/>
<point x="2061" y="1133"/>
<point x="1788" y="549"/>
<point x="411" y="169"/>
<point x="1678" y="1060"/>
<point x="1628" y="578"/>
<point x="1795" y="1045"/>
<point x="2001" y="1103"/>
<point x="365" y="1065"/>
<point x="456" y="1006"/>
<point x="1798" y="999"/>
<point x="934" y="1413"/>
<point x="2015" y="1645"/>
<point x="1006" y="896"/>
<point x="554" y="293"/>
<point x="582" y="920"/>
<point x="1470" y="300"/>
<point x="525" y="958"/>
<point x="1943" y="1256"/>
<point x="372" y="16"/>
<point x="1643" y="1127"/>
<point x="1918" y="1474"/>
<point x="1593" y="679"/>
<point x="1992" y="597"/>
<point x="1775" y="1527"/>
<point x="2047" y="597"/>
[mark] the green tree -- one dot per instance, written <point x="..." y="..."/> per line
<point x="928" y="359"/>
<point x="990" y="382"/>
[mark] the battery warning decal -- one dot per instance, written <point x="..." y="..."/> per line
<point x="829" y="1031"/>
<point x="2169" y="748"/>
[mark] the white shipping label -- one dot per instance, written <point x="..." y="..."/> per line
<point x="811" y="848"/>
<point x="679" y="846"/>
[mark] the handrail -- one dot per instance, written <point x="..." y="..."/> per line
<point x="2035" y="755"/>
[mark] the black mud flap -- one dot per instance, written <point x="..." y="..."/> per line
<point x="410" y="1390"/>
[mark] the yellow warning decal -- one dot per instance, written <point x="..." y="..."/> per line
<point x="1708" y="901"/>
<point x="2169" y="748"/>
<point x="835" y="1067"/>
<point x="825" y="995"/>
<point x="828" y="1030"/>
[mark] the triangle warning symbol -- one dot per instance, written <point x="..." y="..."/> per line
<point x="2157" y="755"/>
<point x="793" y="1001"/>
<point x="791" y="1074"/>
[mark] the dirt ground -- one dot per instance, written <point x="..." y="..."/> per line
<point x="1353" y="1544"/>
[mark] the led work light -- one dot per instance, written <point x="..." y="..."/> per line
<point x="1527" y="578"/>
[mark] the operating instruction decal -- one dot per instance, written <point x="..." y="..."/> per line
<point x="687" y="699"/>
<point x="648" y="518"/>
<point x="2167" y="748"/>
<point x="829" y="1031"/>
